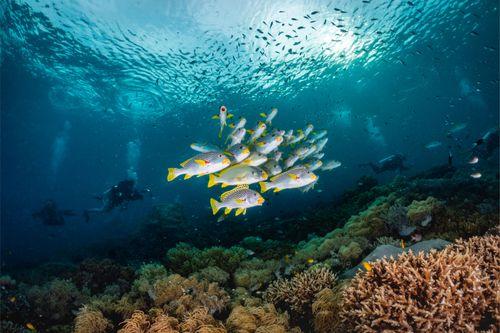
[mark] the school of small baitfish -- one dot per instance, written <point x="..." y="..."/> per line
<point x="274" y="158"/>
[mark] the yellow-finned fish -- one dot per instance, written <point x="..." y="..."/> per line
<point x="318" y="135"/>
<point x="222" y="116"/>
<point x="290" y="161"/>
<point x="240" y="124"/>
<point x="257" y="131"/>
<point x="238" y="152"/>
<point x="309" y="128"/>
<point x="313" y="165"/>
<point x="239" y="174"/>
<point x="255" y="159"/>
<point x="310" y="261"/>
<point x="268" y="143"/>
<point x="272" y="167"/>
<point x="199" y="165"/>
<point x="204" y="147"/>
<point x="367" y="266"/>
<point x="30" y="326"/>
<point x="236" y="136"/>
<point x="320" y="144"/>
<point x="330" y="165"/>
<point x="269" y="117"/>
<point x="293" y="178"/>
<point x="239" y="198"/>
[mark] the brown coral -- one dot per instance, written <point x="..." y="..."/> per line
<point x="91" y="321"/>
<point x="164" y="324"/>
<point x="137" y="323"/>
<point x="326" y="309"/>
<point x="298" y="292"/>
<point x="200" y="321"/>
<point x="447" y="291"/>
<point x="262" y="319"/>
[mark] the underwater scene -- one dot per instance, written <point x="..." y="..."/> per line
<point x="250" y="166"/>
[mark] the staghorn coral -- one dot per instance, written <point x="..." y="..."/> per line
<point x="446" y="291"/>
<point x="262" y="319"/>
<point x="91" y="321"/>
<point x="200" y="321"/>
<point x="180" y="295"/>
<point x="255" y="273"/>
<point x="298" y="292"/>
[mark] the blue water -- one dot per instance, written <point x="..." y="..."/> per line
<point x="93" y="91"/>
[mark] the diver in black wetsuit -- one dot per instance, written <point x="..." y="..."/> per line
<point x="389" y="163"/>
<point x="49" y="214"/>
<point x="118" y="195"/>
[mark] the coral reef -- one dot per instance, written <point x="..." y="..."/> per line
<point x="255" y="273"/>
<point x="91" y="321"/>
<point x="297" y="294"/>
<point x="326" y="309"/>
<point x="447" y="291"/>
<point x="262" y="319"/>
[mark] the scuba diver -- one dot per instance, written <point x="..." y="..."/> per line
<point x="49" y="214"/>
<point x="389" y="163"/>
<point x="486" y="146"/>
<point x="118" y="195"/>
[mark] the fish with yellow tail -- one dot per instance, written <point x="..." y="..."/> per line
<point x="222" y="116"/>
<point x="199" y="165"/>
<point x="239" y="174"/>
<point x="239" y="198"/>
<point x="257" y="131"/>
<point x="269" y="117"/>
<point x="293" y="178"/>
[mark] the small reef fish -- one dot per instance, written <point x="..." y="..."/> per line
<point x="288" y="136"/>
<point x="318" y="155"/>
<point x="236" y="136"/>
<point x="310" y="150"/>
<point x="269" y="117"/>
<point x="204" y="147"/>
<point x="310" y="261"/>
<point x="403" y="245"/>
<point x="272" y="167"/>
<point x="255" y="159"/>
<point x="367" y="266"/>
<point x="473" y="160"/>
<point x="416" y="237"/>
<point x="301" y="151"/>
<point x="238" y="174"/>
<point x="330" y="165"/>
<point x="240" y="124"/>
<point x="309" y="128"/>
<point x="239" y="198"/>
<point x="309" y="187"/>
<point x="476" y="175"/>
<point x="30" y="326"/>
<point x="238" y="152"/>
<point x="318" y="135"/>
<point x="257" y="131"/>
<point x="201" y="164"/>
<point x="457" y="128"/>
<point x="321" y="144"/>
<point x="433" y="144"/>
<point x="290" y="161"/>
<point x="222" y="116"/>
<point x="313" y="165"/>
<point x="268" y="143"/>
<point x="294" y="139"/>
<point x="276" y="156"/>
<point x="293" y="178"/>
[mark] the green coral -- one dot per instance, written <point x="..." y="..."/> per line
<point x="420" y="212"/>
<point x="212" y="274"/>
<point x="147" y="275"/>
<point x="255" y="273"/>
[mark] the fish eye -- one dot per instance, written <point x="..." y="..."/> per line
<point x="220" y="155"/>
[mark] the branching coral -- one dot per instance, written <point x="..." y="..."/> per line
<point x="179" y="295"/>
<point x="262" y="319"/>
<point x="298" y="292"/>
<point x="447" y="291"/>
<point x="91" y="321"/>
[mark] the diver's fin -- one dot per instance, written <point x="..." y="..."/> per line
<point x="201" y="162"/>
<point x="229" y="116"/>
<point x="239" y="211"/>
<point x="215" y="205"/>
<point x="211" y="180"/>
<point x="172" y="174"/>
<point x="186" y="176"/>
<point x="263" y="115"/>
<point x="227" y="211"/>
<point x="215" y="116"/>
<point x="263" y="187"/>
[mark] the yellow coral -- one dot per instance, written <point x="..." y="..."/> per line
<point x="91" y="321"/>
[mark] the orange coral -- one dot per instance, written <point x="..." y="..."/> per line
<point x="91" y="321"/>
<point x="447" y="291"/>
<point x="298" y="292"/>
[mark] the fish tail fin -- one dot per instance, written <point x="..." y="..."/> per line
<point x="215" y="205"/>
<point x="172" y="174"/>
<point x="263" y="115"/>
<point x="220" y="133"/>
<point x="263" y="187"/>
<point x="211" y="180"/>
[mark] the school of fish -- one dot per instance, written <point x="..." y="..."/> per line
<point x="273" y="158"/>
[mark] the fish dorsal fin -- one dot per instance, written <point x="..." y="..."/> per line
<point x="224" y="195"/>
<point x="183" y="164"/>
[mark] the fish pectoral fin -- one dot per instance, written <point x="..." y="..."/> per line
<point x="239" y="211"/>
<point x="215" y="117"/>
<point x="231" y="125"/>
<point x="201" y="162"/>
<point x="293" y="176"/>
<point x="277" y="189"/>
<point x="186" y="176"/>
<point x="225" y="184"/>
<point x="227" y="211"/>
<point x="263" y="115"/>
<point x="250" y="131"/>
<point x="229" y="116"/>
